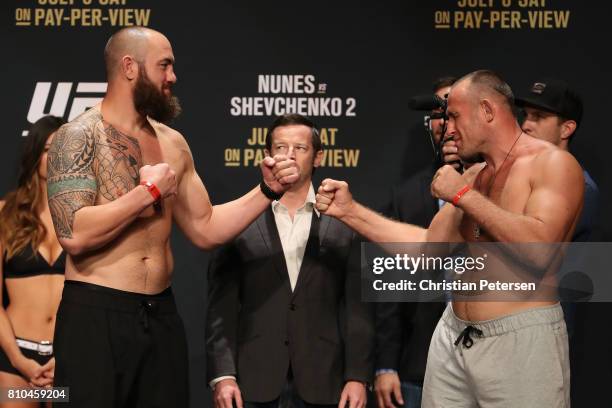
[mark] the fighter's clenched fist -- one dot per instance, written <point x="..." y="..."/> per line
<point x="446" y="183"/>
<point x="279" y="172"/>
<point x="162" y="176"/>
<point x="334" y="198"/>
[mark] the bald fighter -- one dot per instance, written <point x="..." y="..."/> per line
<point x="490" y="354"/>
<point x="118" y="178"/>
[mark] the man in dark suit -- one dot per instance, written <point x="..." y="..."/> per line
<point x="404" y="330"/>
<point x="285" y="314"/>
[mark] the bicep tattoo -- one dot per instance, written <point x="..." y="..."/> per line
<point x="71" y="183"/>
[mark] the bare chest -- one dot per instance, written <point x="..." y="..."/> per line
<point x="509" y="190"/>
<point x="119" y="157"/>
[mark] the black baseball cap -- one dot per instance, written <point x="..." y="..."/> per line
<point x="555" y="96"/>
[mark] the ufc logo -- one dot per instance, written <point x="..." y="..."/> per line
<point x="87" y="94"/>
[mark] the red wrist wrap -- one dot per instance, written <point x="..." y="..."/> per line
<point x="152" y="189"/>
<point x="459" y="194"/>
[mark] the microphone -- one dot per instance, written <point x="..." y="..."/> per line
<point x="426" y="102"/>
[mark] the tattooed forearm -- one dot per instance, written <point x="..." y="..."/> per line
<point x="71" y="183"/>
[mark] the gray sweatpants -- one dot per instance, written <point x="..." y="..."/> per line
<point x="519" y="360"/>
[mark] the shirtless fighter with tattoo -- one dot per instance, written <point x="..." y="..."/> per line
<point x="494" y="353"/>
<point x="118" y="178"/>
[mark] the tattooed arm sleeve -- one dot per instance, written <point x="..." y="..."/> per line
<point x="71" y="183"/>
<point x="82" y="226"/>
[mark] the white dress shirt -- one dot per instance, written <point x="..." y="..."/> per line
<point x="294" y="232"/>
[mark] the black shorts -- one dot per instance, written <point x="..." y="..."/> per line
<point x="7" y="367"/>
<point x="120" y="349"/>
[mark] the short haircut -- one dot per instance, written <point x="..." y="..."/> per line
<point x="492" y="81"/>
<point x="128" y="40"/>
<point x="289" y="119"/>
<point x="443" y="82"/>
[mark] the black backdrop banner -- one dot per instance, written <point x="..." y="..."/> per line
<point x="350" y="66"/>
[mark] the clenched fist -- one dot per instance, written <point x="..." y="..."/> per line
<point x="279" y="172"/>
<point x="334" y="198"/>
<point x="446" y="183"/>
<point x="162" y="176"/>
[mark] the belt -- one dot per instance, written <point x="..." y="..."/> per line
<point x="44" y="348"/>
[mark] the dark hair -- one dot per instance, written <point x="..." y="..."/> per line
<point x="289" y="119"/>
<point x="19" y="216"/>
<point x="443" y="82"/>
<point x="491" y="80"/>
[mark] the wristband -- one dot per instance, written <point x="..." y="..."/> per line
<point x="459" y="194"/>
<point x="152" y="189"/>
<point x="268" y="192"/>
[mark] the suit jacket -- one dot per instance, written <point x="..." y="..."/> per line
<point x="404" y="330"/>
<point x="587" y="220"/>
<point x="257" y="327"/>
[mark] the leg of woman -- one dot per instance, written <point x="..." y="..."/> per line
<point x="8" y="380"/>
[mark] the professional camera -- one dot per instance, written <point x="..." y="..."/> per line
<point x="427" y="103"/>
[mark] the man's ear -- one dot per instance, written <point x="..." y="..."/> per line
<point x="267" y="153"/>
<point x="129" y="67"/>
<point x="487" y="109"/>
<point x="567" y="129"/>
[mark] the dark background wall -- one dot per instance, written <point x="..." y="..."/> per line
<point x="378" y="53"/>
